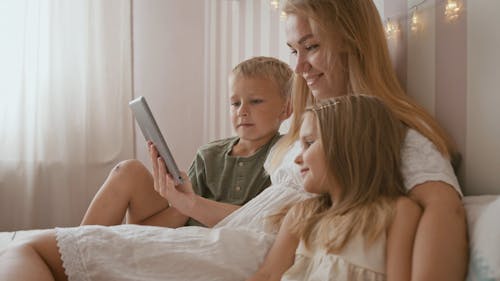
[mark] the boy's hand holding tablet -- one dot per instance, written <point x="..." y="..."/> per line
<point x="152" y="133"/>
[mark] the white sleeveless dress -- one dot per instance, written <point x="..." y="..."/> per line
<point x="232" y="250"/>
<point x="356" y="262"/>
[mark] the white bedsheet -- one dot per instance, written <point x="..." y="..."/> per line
<point x="6" y="238"/>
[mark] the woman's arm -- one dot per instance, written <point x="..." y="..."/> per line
<point x="440" y="251"/>
<point x="281" y="255"/>
<point x="400" y="240"/>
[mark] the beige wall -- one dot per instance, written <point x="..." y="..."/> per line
<point x="236" y="30"/>
<point x="421" y="58"/>
<point x="168" y="71"/>
<point x="482" y="173"/>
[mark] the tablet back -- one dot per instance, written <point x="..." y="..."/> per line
<point x="151" y="132"/>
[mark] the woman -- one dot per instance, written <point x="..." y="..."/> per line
<point x="340" y="49"/>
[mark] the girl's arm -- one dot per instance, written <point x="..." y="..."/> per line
<point x="400" y="239"/>
<point x="281" y="255"/>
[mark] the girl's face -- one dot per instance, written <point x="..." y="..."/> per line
<point x="309" y="57"/>
<point x="311" y="159"/>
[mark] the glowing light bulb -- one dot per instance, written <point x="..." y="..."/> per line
<point x="415" y="21"/>
<point x="391" y="28"/>
<point x="452" y="9"/>
<point x="283" y="16"/>
<point x="275" y="4"/>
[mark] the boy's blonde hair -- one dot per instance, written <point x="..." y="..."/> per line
<point x="362" y="141"/>
<point x="267" y="68"/>
<point x="357" y="25"/>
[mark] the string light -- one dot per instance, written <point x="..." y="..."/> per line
<point x="275" y="4"/>
<point x="415" y="17"/>
<point x="282" y="16"/>
<point x="452" y="12"/>
<point x="415" y="20"/>
<point x="391" y="28"/>
<point x="452" y="9"/>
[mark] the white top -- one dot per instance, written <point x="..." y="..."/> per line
<point x="232" y="250"/>
<point x="354" y="263"/>
<point x="422" y="162"/>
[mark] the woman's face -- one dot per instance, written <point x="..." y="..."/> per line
<point x="309" y="57"/>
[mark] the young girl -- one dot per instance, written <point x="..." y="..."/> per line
<point x="360" y="227"/>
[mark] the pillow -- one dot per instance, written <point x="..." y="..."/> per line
<point x="483" y="214"/>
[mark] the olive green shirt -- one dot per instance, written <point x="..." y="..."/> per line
<point x="218" y="176"/>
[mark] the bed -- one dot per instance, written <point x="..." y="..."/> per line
<point x="484" y="237"/>
<point x="7" y="238"/>
<point x="483" y="227"/>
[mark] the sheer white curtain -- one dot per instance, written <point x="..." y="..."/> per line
<point x="235" y="31"/>
<point x="65" y="80"/>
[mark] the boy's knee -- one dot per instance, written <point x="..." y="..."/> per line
<point x="131" y="173"/>
<point x="129" y="166"/>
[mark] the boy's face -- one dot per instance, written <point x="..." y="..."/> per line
<point x="257" y="108"/>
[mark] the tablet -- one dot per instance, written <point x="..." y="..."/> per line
<point x="151" y="132"/>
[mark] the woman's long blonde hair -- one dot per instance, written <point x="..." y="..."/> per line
<point x="362" y="141"/>
<point x="357" y="24"/>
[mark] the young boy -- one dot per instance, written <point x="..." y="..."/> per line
<point x="229" y="171"/>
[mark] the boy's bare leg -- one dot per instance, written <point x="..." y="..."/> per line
<point x="36" y="259"/>
<point x="129" y="191"/>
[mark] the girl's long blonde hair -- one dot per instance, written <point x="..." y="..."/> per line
<point x="362" y="142"/>
<point x="357" y="24"/>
